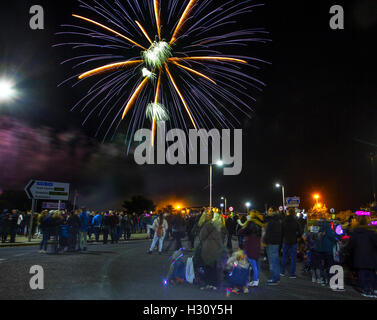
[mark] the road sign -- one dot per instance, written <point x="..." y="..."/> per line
<point x="231" y="209"/>
<point x="53" y="205"/>
<point x="332" y="210"/>
<point x="293" y="202"/>
<point x="45" y="190"/>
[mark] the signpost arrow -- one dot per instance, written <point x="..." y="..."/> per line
<point x="28" y="187"/>
<point x="45" y="190"/>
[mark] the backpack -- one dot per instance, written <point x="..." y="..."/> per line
<point x="159" y="231"/>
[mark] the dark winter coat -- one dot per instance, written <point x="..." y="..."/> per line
<point x="74" y="222"/>
<point x="273" y="234"/>
<point x="326" y="239"/>
<point x="252" y="240"/>
<point x="212" y="244"/>
<point x="3" y="222"/>
<point x="230" y="224"/>
<point x="363" y="248"/>
<point x="291" y="230"/>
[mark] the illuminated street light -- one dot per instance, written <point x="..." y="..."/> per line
<point x="7" y="91"/>
<point x="219" y="164"/>
<point x="248" y="205"/>
<point x="225" y="205"/>
<point x="278" y="185"/>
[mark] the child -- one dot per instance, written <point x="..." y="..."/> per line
<point x="239" y="268"/>
<point x="177" y="270"/>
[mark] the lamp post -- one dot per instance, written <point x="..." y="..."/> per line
<point x="225" y="210"/>
<point x="219" y="164"/>
<point x="278" y="185"/>
<point x="248" y="206"/>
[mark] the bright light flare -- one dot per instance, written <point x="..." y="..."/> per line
<point x="157" y="112"/>
<point x="7" y="91"/>
<point x="157" y="54"/>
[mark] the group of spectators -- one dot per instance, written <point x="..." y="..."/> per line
<point x="279" y="238"/>
<point x="13" y="223"/>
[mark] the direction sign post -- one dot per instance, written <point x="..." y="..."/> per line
<point x="31" y="219"/>
<point x="293" y="202"/>
<point x="45" y="190"/>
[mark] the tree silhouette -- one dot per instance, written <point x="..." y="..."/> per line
<point x="139" y="204"/>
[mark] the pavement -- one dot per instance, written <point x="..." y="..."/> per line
<point x="22" y="241"/>
<point x="125" y="271"/>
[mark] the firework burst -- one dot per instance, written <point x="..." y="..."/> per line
<point x="183" y="68"/>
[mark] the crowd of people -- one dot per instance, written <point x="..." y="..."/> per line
<point x="276" y="237"/>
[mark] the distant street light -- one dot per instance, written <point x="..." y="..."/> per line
<point x="219" y="164"/>
<point x="225" y="205"/>
<point x="248" y="205"/>
<point x="278" y="185"/>
<point x="7" y="91"/>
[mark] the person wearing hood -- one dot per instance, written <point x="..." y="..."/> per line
<point x="291" y="232"/>
<point x="363" y="249"/>
<point x="252" y="232"/>
<point x="272" y="239"/>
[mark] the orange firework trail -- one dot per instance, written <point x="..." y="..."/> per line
<point x="156" y="100"/>
<point x="195" y="72"/>
<point x="144" y="32"/>
<point x="134" y="96"/>
<point x="156" y="5"/>
<point x="181" y="96"/>
<point x="108" y="29"/>
<point x="182" y="20"/>
<point x="109" y="67"/>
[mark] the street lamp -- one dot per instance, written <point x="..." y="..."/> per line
<point x="316" y="197"/>
<point x="278" y="185"/>
<point x="219" y="164"/>
<point x="7" y="91"/>
<point x="248" y="206"/>
<point x="223" y="198"/>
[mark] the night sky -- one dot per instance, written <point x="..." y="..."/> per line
<point x="305" y="131"/>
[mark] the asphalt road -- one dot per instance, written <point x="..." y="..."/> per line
<point x="125" y="272"/>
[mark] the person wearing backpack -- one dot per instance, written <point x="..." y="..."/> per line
<point x="160" y="226"/>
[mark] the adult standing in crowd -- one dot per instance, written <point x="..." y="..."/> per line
<point x="4" y="223"/>
<point x="272" y="240"/>
<point x="363" y="249"/>
<point x="230" y="224"/>
<point x="13" y="225"/>
<point x="252" y="232"/>
<point x="96" y="223"/>
<point x="291" y="232"/>
<point x="73" y="222"/>
<point x="212" y="250"/>
<point x="160" y="227"/>
<point x="84" y="226"/>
